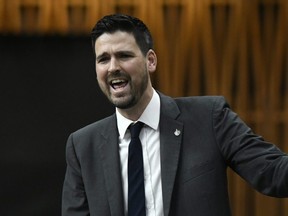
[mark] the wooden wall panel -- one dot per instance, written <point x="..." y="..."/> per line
<point x="2" y="11"/>
<point x="238" y="49"/>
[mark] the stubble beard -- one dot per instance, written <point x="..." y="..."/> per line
<point x="128" y="101"/>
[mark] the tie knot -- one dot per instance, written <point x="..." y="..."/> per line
<point x="135" y="129"/>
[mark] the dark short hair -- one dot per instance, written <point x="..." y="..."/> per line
<point x="125" y="23"/>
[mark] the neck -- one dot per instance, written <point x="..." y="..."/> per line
<point x="136" y="111"/>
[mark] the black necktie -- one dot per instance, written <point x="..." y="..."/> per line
<point x="136" y="191"/>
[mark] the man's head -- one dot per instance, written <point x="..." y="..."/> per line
<point x="125" y="23"/>
<point x="124" y="59"/>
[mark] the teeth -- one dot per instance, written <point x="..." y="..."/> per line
<point x="117" y="81"/>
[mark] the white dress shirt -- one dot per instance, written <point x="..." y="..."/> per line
<point x="150" y="139"/>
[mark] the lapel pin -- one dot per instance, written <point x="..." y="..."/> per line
<point x="177" y="132"/>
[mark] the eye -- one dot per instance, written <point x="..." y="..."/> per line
<point x="103" y="59"/>
<point x="125" y="55"/>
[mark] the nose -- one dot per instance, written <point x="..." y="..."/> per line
<point x="114" y="65"/>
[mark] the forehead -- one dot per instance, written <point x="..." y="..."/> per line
<point x="118" y="40"/>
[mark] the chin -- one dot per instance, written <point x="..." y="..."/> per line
<point x="124" y="104"/>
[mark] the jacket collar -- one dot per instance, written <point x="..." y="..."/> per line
<point x="111" y="166"/>
<point x="171" y="132"/>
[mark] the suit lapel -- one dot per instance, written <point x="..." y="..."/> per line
<point x="171" y="132"/>
<point x="111" y="167"/>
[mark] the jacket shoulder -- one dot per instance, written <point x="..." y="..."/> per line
<point x="96" y="127"/>
<point x="201" y="102"/>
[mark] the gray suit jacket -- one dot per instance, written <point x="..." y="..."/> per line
<point x="193" y="164"/>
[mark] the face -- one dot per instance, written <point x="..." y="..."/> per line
<point x="122" y="70"/>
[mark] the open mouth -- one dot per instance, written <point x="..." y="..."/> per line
<point x="118" y="83"/>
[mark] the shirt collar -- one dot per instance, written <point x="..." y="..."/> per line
<point x="149" y="117"/>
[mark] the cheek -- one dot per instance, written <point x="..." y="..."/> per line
<point x="134" y="67"/>
<point x="100" y="74"/>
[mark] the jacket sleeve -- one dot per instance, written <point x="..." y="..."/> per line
<point x="260" y="163"/>
<point x="74" y="201"/>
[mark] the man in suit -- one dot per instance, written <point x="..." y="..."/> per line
<point x="187" y="143"/>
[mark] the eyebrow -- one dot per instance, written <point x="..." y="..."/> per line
<point x="127" y="52"/>
<point x="101" y="56"/>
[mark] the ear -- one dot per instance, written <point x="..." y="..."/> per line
<point x="151" y="61"/>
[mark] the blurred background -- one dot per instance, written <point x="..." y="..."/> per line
<point x="48" y="87"/>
